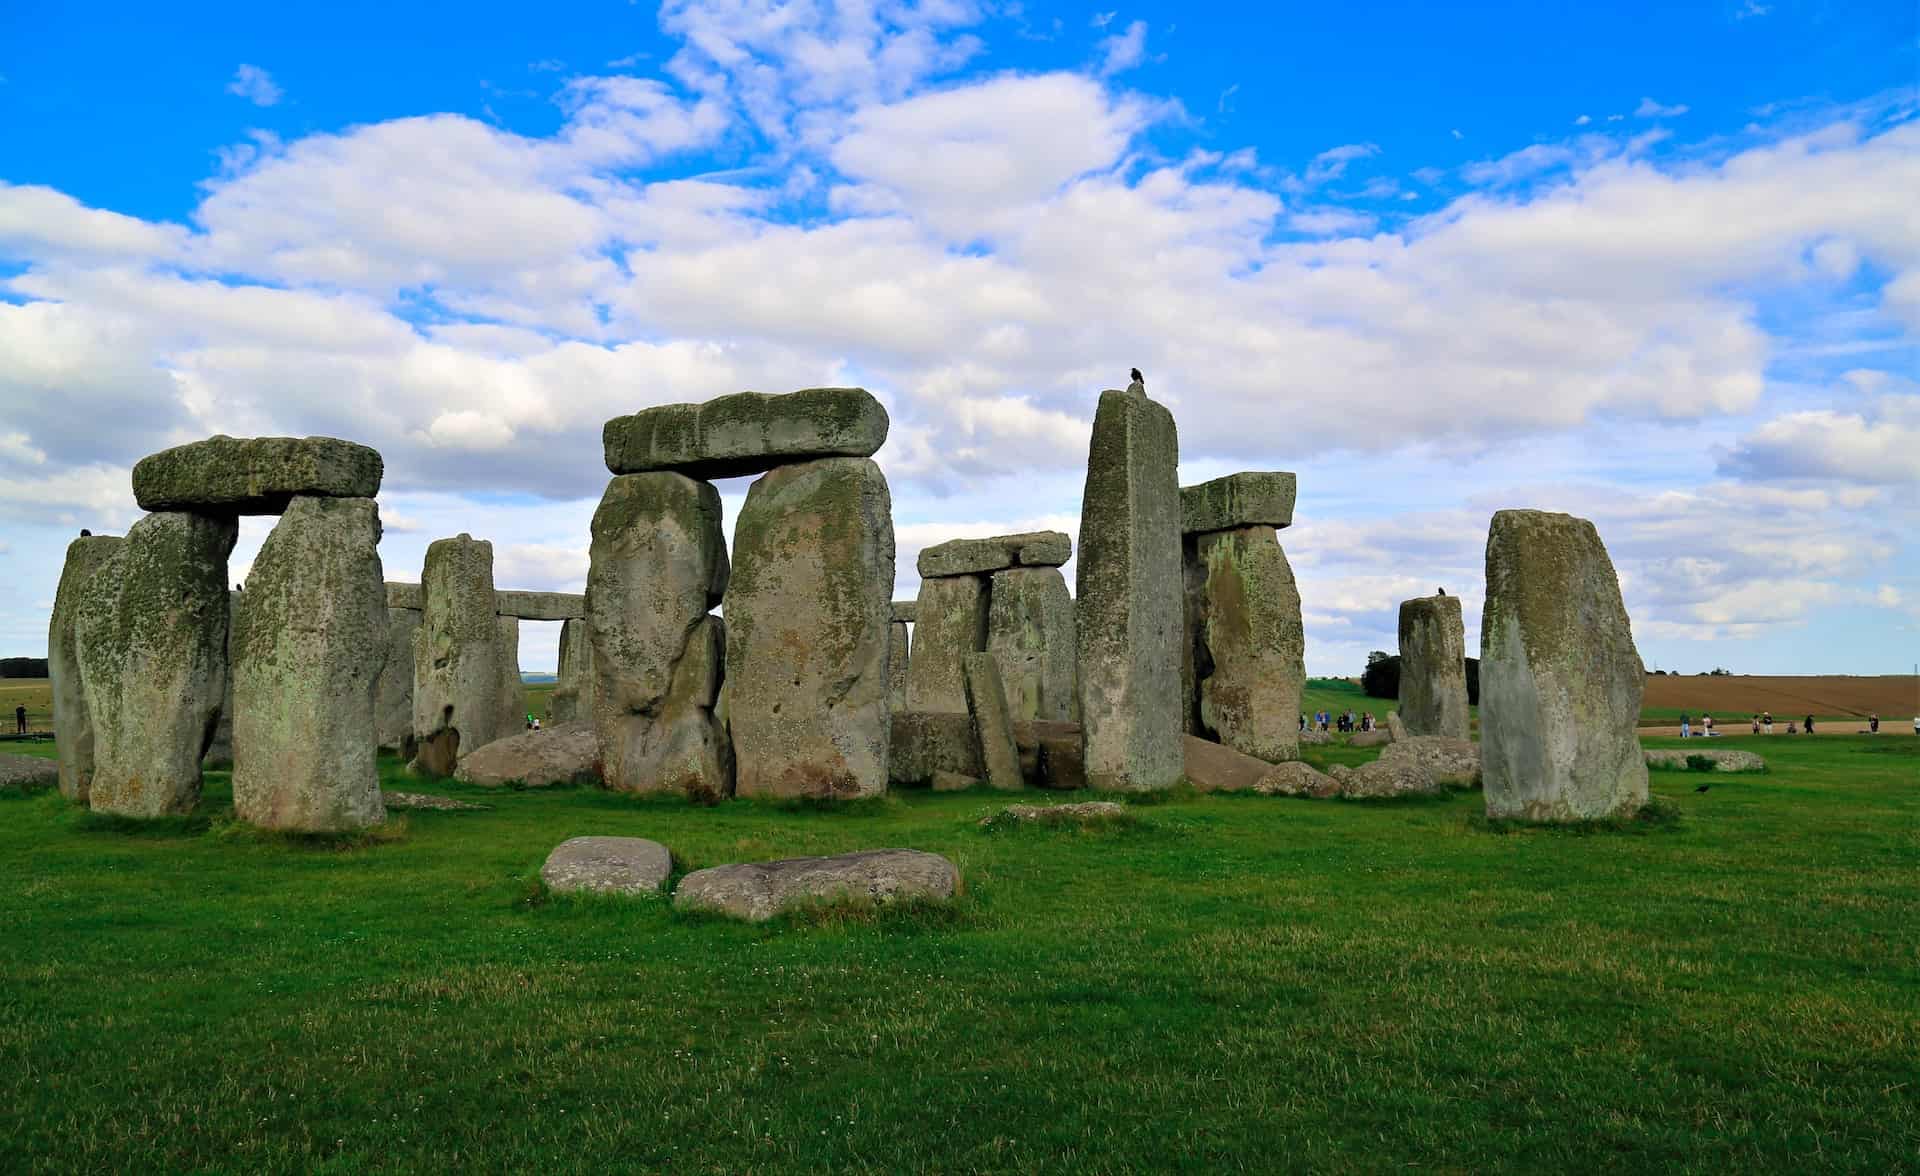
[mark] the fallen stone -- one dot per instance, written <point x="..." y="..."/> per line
<point x="1297" y="779"/>
<point x="460" y="665"/>
<point x="922" y="744"/>
<point x="27" y="773"/>
<point x="1245" y="648"/>
<point x="540" y="606"/>
<point x="151" y="638"/>
<point x="906" y="611"/>
<point x="992" y="728"/>
<point x="1088" y="812"/>
<point x="965" y="557"/>
<point x="1248" y="499"/>
<point x="747" y="433"/>
<point x="952" y="624"/>
<point x="1128" y="608"/>
<point x="1382" y="779"/>
<point x="393" y="693"/>
<point x="72" y="722"/>
<point x="1560" y="679"/>
<point x="658" y="564"/>
<point x="1453" y="762"/>
<point x="759" y="891"/>
<point x="608" y="865"/>
<point x="1433" y="667"/>
<point x="407" y="596"/>
<point x="428" y="801"/>
<point x="808" y="611"/>
<point x="550" y="757"/>
<point x="254" y="475"/>
<point x="1378" y="737"/>
<point x="1211" y="767"/>
<point x="309" y="638"/>
<point x="1725" y="760"/>
<point x="1030" y="633"/>
<point x="572" y="697"/>
<point x="944" y="781"/>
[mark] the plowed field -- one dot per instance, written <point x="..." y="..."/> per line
<point x="1738" y="696"/>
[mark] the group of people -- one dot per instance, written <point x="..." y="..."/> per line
<point x="1763" y="725"/>
<point x="1344" y="723"/>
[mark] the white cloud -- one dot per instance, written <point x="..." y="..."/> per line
<point x="254" y="84"/>
<point x="1332" y="163"/>
<point x="1648" y="108"/>
<point x="1583" y="120"/>
<point x="1123" y="51"/>
<point x="1878" y="446"/>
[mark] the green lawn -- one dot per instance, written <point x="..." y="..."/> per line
<point x="1232" y="984"/>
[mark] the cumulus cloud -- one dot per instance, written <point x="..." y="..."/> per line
<point x="254" y="84"/>
<point x="1124" y="50"/>
<point x="1648" y="108"/>
<point x="1879" y="445"/>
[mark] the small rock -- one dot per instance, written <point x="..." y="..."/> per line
<point x="944" y="781"/>
<point x="426" y="800"/>
<point x="538" y="759"/>
<point x="1090" y="812"/>
<point x="1314" y="735"/>
<point x="608" y="865"/>
<point x="1374" y="738"/>
<point x="757" y="891"/>
<point x="28" y="773"/>
<point x="1727" y="760"/>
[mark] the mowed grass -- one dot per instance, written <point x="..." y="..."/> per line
<point x="1231" y="983"/>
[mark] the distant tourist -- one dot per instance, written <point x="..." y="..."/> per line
<point x="1791" y="729"/>
<point x="20" y="720"/>
<point x="1916" y="724"/>
<point x="1766" y="720"/>
<point x="1756" y="724"/>
<point x="1706" y="725"/>
<point x="1809" y="724"/>
<point x="1686" y="728"/>
<point x="1873" y="724"/>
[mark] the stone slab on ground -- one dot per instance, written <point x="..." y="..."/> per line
<point x="558" y="755"/>
<point x="1088" y="812"/>
<point x="1724" y="760"/>
<point x="758" y="891"/>
<point x="27" y="773"/>
<point x="1383" y="779"/>
<point x="1215" y="767"/>
<point x="746" y="433"/>
<point x="254" y="475"/>
<point x="427" y="801"/>
<point x="1454" y="762"/>
<point x="1248" y="499"/>
<point x="966" y="557"/>
<point x="1378" y="737"/>
<point x="1297" y="779"/>
<point x="608" y="865"/>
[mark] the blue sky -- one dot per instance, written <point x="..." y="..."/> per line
<point x="1656" y="265"/>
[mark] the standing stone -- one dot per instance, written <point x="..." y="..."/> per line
<point x="151" y="634"/>
<point x="951" y="622"/>
<point x="513" y="691"/>
<point x="898" y="651"/>
<point x="572" y="697"/>
<point x="1433" y="667"/>
<point x="219" y="752"/>
<point x="808" y="611"/>
<point x="1128" y="605"/>
<point x="309" y="638"/>
<point x="1560" y="679"/>
<point x="1248" y="646"/>
<point x="659" y="562"/>
<point x="72" y="723"/>
<point x="1030" y="633"/>
<point x="457" y="658"/>
<point x="992" y="728"/>
<point x="393" y="696"/>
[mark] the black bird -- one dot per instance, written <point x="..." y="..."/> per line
<point x="1703" y="788"/>
<point x="84" y="532"/>
<point x="1443" y="591"/>
<point x="1137" y="377"/>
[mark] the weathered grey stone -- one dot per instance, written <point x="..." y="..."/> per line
<point x="1246" y="647"/>
<point x="922" y="744"/>
<point x="27" y="773"/>
<point x="219" y="753"/>
<point x="1296" y="779"/>
<point x="1560" y="679"/>
<point x="254" y="475"/>
<point x="72" y="722"/>
<point x="572" y="696"/>
<point x="309" y="638"/>
<point x="428" y="802"/>
<point x="1087" y="812"/>
<point x="944" y="781"/>
<point x="460" y="669"/>
<point x="540" y="606"/>
<point x="1454" y="762"/>
<point x="952" y="624"/>
<point x="759" y="891"/>
<point x="1727" y="760"/>
<point x="1213" y="767"/>
<point x="1128" y="608"/>
<point x="608" y="865"/>
<point x="1249" y="499"/>
<point x="747" y="433"/>
<point x="151" y="639"/>
<point x="1314" y="736"/>
<point x="393" y="694"/>
<point x="898" y="653"/>
<point x="659" y="562"/>
<point x="1433" y="667"/>
<point x="807" y="616"/>
<point x="1377" y="737"/>
<point x="407" y="596"/>
<point x="907" y="611"/>
<point x="1384" y="778"/>
<point x="992" y="728"/>
<point x="514" y="715"/>
<point x="566" y="753"/>
<point x="966" y="557"/>
<point x="1396" y="727"/>
<point x="1030" y="633"/>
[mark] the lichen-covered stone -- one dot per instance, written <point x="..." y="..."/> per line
<point x="1296" y="779"/>
<point x="1246" y="648"/>
<point x="254" y="475"/>
<point x="758" y="891"/>
<point x="72" y="723"/>
<point x="967" y="557"/>
<point x="1727" y="760"/>
<point x="573" y="692"/>
<point x="540" y="606"/>
<point x="992" y="728"/>
<point x="608" y="865"/>
<point x="1030" y="633"/>
<point x="408" y="596"/>
<point x="393" y="694"/>
<point x="566" y="753"/>
<point x="1560" y="678"/>
<point x="27" y="773"/>
<point x="309" y="638"/>
<point x="1383" y="779"/>
<point x="898" y="658"/>
<point x="747" y="433"/>
<point x="1248" y="499"/>
<point x="1128" y="603"/>
<point x="906" y="611"/>
<point x="460" y="668"/>
<point x="514" y="715"/>
<point x="1433" y="667"/>
<point x="1087" y="812"/>
<point x="1450" y="761"/>
<point x="922" y="744"/>
<point x="808" y="611"/>
<point x="659" y="562"/>
<point x="952" y="623"/>
<point x="151" y="635"/>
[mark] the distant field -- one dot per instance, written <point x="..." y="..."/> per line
<point x="1832" y="697"/>
<point x="36" y="693"/>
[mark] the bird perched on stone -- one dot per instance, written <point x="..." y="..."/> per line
<point x="1443" y="591"/>
<point x="1139" y="383"/>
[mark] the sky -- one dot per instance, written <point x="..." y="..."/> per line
<point x="1655" y="265"/>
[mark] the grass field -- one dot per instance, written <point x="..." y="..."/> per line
<point x="1230" y="984"/>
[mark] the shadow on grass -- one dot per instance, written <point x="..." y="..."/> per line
<point x="233" y="831"/>
<point x="1659" y="815"/>
<point x="912" y="916"/>
<point x="193" y="824"/>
